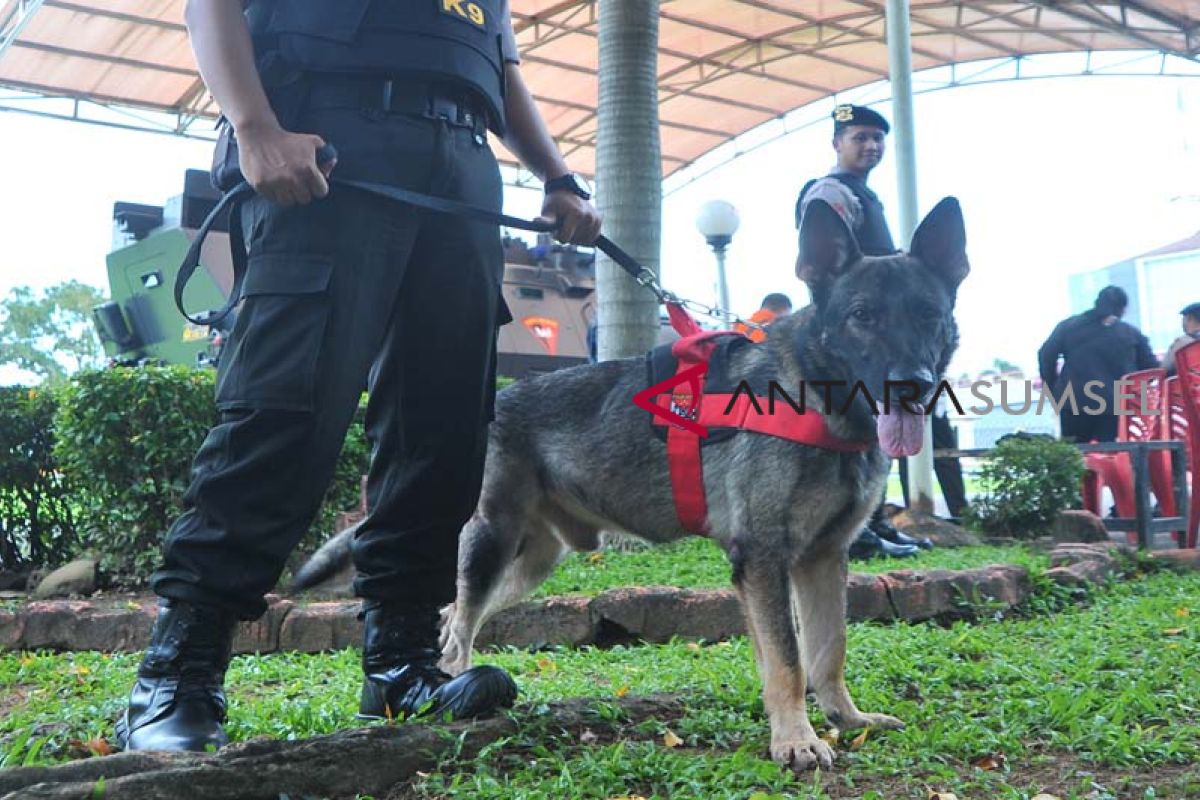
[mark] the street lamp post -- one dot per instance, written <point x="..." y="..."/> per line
<point x="717" y="221"/>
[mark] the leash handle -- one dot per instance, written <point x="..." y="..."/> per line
<point x="325" y="154"/>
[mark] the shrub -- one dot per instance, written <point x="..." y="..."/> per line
<point x="37" y="527"/>
<point x="1026" y="482"/>
<point x="126" y="438"/>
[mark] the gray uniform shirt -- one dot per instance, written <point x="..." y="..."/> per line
<point x="840" y="199"/>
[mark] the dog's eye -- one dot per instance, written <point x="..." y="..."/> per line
<point x="862" y="315"/>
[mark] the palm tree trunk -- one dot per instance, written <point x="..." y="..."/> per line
<point x="628" y="172"/>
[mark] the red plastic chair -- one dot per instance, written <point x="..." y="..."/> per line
<point x="1187" y="367"/>
<point x="1114" y="470"/>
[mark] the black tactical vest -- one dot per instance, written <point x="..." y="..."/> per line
<point x="456" y="41"/>
<point x="874" y="238"/>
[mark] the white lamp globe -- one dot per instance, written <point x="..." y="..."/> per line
<point x="717" y="221"/>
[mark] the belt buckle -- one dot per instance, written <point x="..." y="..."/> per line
<point x="441" y="108"/>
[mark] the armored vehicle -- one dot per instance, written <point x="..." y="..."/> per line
<point x="549" y="288"/>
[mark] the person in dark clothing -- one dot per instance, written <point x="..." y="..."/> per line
<point x="859" y="140"/>
<point x="344" y="290"/>
<point x="1096" y="347"/>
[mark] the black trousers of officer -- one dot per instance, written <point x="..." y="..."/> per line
<point x="1081" y="427"/>
<point x="351" y="292"/>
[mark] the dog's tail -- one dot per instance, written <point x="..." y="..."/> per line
<point x="325" y="563"/>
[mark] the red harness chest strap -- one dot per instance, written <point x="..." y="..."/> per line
<point x="725" y="411"/>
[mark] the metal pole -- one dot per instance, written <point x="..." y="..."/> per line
<point x="920" y="466"/>
<point x="722" y="285"/>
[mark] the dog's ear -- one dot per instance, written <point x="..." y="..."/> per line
<point x="827" y="248"/>
<point x="941" y="243"/>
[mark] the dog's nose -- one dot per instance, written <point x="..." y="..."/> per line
<point x="922" y="379"/>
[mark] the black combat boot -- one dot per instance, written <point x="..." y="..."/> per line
<point x="178" y="702"/>
<point x="884" y="529"/>
<point x="402" y="679"/>
<point x="868" y="545"/>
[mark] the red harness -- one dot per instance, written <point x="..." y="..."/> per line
<point x="688" y="412"/>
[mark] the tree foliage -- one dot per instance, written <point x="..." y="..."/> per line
<point x="50" y="334"/>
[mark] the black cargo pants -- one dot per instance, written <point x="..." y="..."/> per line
<point x="350" y="292"/>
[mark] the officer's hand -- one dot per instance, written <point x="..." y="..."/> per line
<point x="282" y="166"/>
<point x="578" y="220"/>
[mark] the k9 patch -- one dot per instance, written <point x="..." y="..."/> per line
<point x="464" y="11"/>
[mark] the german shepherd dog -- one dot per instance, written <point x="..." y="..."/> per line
<point x="569" y="456"/>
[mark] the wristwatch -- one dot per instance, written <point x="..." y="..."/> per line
<point x="571" y="183"/>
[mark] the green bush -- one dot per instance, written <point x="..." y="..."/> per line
<point x="127" y="436"/>
<point x="37" y="527"/>
<point x="1026" y="482"/>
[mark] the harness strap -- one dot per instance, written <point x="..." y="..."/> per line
<point x="687" y="479"/>
<point x="724" y="410"/>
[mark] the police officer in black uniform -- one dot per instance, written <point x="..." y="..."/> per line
<point x="1095" y="346"/>
<point x="346" y="290"/>
<point x="858" y="139"/>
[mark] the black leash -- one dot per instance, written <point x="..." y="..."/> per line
<point x="233" y="199"/>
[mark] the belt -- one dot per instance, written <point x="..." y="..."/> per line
<point x="458" y="106"/>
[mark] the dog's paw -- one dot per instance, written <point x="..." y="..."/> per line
<point x="802" y="754"/>
<point x="862" y="720"/>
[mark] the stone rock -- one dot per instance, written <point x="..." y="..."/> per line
<point x="1184" y="559"/>
<point x="311" y="628"/>
<point x="110" y="628"/>
<point x="657" y="613"/>
<point x="940" y="531"/>
<point x="867" y="599"/>
<point x="12" y="626"/>
<point x="1076" y="552"/>
<point x="262" y="635"/>
<point x="1081" y="574"/>
<point x="540" y="623"/>
<point x="1078" y="564"/>
<point x="76" y="578"/>
<point x="1079" y="526"/>
<point x="916" y="596"/>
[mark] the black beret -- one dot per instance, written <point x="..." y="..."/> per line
<point x="846" y="115"/>
<point x="1192" y="310"/>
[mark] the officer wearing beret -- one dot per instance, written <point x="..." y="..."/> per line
<point x="858" y="139"/>
<point x="347" y="291"/>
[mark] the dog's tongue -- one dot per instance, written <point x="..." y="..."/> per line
<point x="901" y="432"/>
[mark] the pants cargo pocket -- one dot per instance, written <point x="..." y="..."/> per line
<point x="271" y="359"/>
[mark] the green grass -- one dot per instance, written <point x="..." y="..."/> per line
<point x="699" y="564"/>
<point x="1067" y="703"/>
